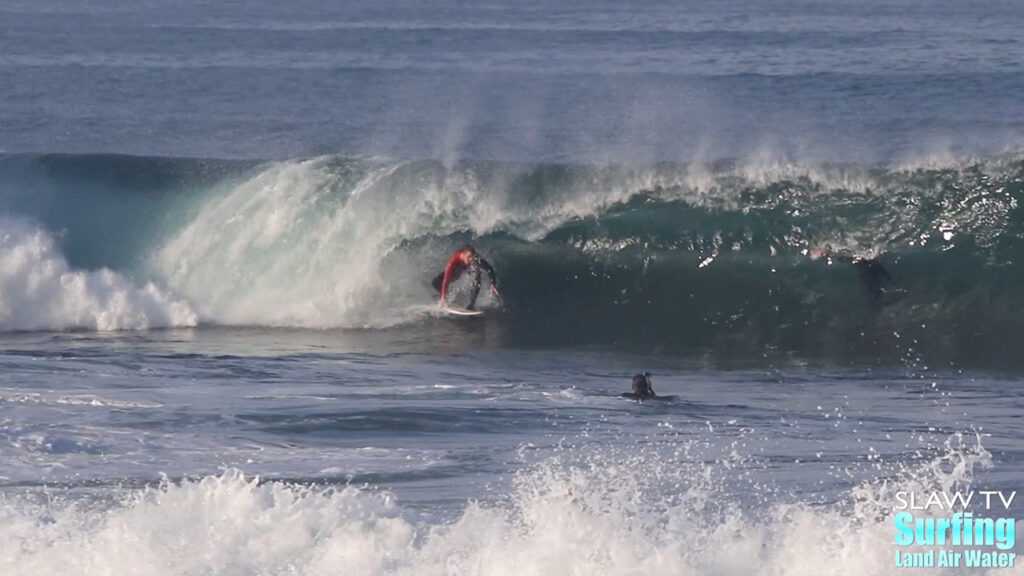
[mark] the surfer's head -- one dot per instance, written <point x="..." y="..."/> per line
<point x="467" y="253"/>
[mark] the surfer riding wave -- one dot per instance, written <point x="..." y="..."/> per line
<point x="465" y="260"/>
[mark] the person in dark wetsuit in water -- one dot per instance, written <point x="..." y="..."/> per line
<point x="871" y="273"/>
<point x="642" y="386"/>
<point x="465" y="260"/>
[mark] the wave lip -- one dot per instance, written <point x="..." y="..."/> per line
<point x="40" y="291"/>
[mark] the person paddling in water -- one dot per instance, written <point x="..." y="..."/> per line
<point x="642" y="386"/>
<point x="465" y="260"/>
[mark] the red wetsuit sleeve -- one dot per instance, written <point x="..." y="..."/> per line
<point x="449" y="270"/>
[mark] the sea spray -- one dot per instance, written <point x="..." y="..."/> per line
<point x="664" y="508"/>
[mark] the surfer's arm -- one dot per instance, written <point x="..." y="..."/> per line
<point x="491" y="274"/>
<point x="449" y="270"/>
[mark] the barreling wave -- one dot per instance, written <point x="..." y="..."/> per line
<point x="717" y="257"/>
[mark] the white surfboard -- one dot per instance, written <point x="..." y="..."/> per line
<point x="452" y="310"/>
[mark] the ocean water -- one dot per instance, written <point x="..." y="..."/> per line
<point x="220" y="352"/>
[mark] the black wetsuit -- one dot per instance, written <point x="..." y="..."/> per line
<point x="642" y="386"/>
<point x="871" y="273"/>
<point x="873" y="276"/>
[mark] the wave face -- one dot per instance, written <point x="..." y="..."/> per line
<point x="718" y="257"/>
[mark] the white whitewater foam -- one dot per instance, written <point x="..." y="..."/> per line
<point x="603" y="514"/>
<point x="39" y="291"/>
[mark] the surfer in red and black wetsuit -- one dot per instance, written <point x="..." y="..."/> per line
<point x="466" y="259"/>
